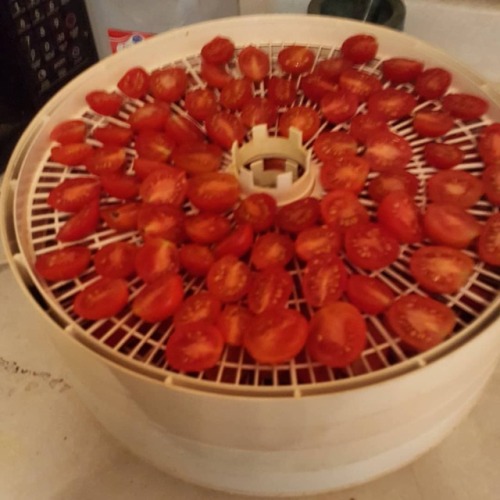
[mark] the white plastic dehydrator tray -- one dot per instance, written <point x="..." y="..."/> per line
<point x="225" y="431"/>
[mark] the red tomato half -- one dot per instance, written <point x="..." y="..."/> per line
<point x="168" y="84"/>
<point x="465" y="106"/>
<point x="296" y="59"/>
<point x="159" y="299"/>
<point x="225" y="128"/>
<point x="113" y="135"/>
<point x="420" y="322"/>
<point x="63" y="264"/>
<point x="120" y="185"/>
<point x="259" y="111"/>
<point x="432" y="123"/>
<point x="360" y="83"/>
<point x="196" y="259"/>
<point x="339" y="106"/>
<point x="151" y="116"/>
<point x="237" y="243"/>
<point x="315" y="86"/>
<point x="233" y="322"/>
<point x="161" y="221"/>
<point x="272" y="249"/>
<point x="214" y="75"/>
<point x="337" y="335"/>
<point x="116" y="260"/>
<point x="489" y="241"/>
<point x="81" y="224"/>
<point x="391" y="104"/>
<point x="455" y="187"/>
<point x="489" y="144"/>
<point x="228" y="279"/>
<point x="318" y="240"/>
<point x="206" y="228"/>
<point x="201" y="306"/>
<point x="156" y="257"/>
<point x="197" y="158"/>
<point x="73" y="194"/>
<point x="219" y="50"/>
<point x="236" y="93"/>
<point x="121" y="217"/>
<point x="332" y="67"/>
<point x="365" y="125"/>
<point x="104" y="103"/>
<point x="201" y="103"/>
<point x="153" y="145"/>
<point x="392" y="180"/>
<point x="370" y="246"/>
<point x="166" y="186"/>
<point x="401" y="70"/>
<point x="491" y="183"/>
<point x="386" y="151"/>
<point x="335" y="143"/>
<point x="258" y="210"/>
<point x="281" y="91"/>
<point x="214" y="192"/>
<point x="440" y="269"/>
<point x="69" y="132"/>
<point x="106" y="160"/>
<point x="432" y="83"/>
<point x="276" y="336"/>
<point x="344" y="172"/>
<point x="298" y="215"/>
<point x="194" y="347"/>
<point x="341" y="209"/>
<point x="72" y="154"/>
<point x="359" y="48"/>
<point x="134" y="83"/>
<point x="370" y="295"/>
<point x="143" y="167"/>
<point x="182" y="130"/>
<point x="303" y="118"/>
<point x="102" y="299"/>
<point x="269" y="289"/>
<point x="253" y="63"/>
<point x="443" y="156"/>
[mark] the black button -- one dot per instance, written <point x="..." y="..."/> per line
<point x="51" y="7"/>
<point x="23" y="23"/>
<point x="42" y="31"/>
<point x="37" y="16"/>
<point x="16" y="8"/>
<point x="55" y="23"/>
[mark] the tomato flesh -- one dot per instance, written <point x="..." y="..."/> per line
<point x="233" y="322"/>
<point x="116" y="260"/>
<point x="258" y="210"/>
<point x="73" y="194"/>
<point x="298" y="215"/>
<point x="201" y="306"/>
<point x="156" y="257"/>
<point x="370" y="295"/>
<point x="269" y="289"/>
<point x="214" y="192"/>
<point x="317" y="240"/>
<point x="228" y="279"/>
<point x="63" y="264"/>
<point x="272" y="249"/>
<point x="489" y="241"/>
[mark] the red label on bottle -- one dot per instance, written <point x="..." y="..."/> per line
<point x="121" y="39"/>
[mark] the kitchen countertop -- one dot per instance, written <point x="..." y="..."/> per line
<point x="52" y="448"/>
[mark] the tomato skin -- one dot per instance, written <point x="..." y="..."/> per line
<point x="196" y="259"/>
<point x="392" y="180"/>
<point x="236" y="93"/>
<point x="197" y="158"/>
<point x="391" y="104"/>
<point x="401" y="70"/>
<point x="296" y="59"/>
<point x="332" y="67"/>
<point x="420" y="322"/>
<point x="489" y="144"/>
<point x="150" y="116"/>
<point x="337" y="335"/>
<point x="432" y="123"/>
<point x="455" y="187"/>
<point x="120" y="185"/>
<point x="339" y="106"/>
<point x="450" y="225"/>
<point x="258" y="111"/>
<point x="432" y="83"/>
<point x="168" y="84"/>
<point x="359" y="83"/>
<point x="121" y="217"/>
<point x="359" y="48"/>
<point x="104" y="103"/>
<point x="113" y="135"/>
<point x="206" y="228"/>
<point x="442" y="155"/>
<point x="237" y="243"/>
<point x="224" y="129"/>
<point x="324" y="280"/>
<point x="116" y="260"/>
<point x="370" y="246"/>
<point x="298" y="215"/>
<point x="155" y="258"/>
<point x="102" y="299"/>
<point x="213" y="192"/>
<point x="214" y="75"/>
<point x="344" y="172"/>
<point x="166" y="186"/>
<point x="159" y="299"/>
<point x="315" y="86"/>
<point x="272" y="249"/>
<point x="368" y="294"/>
<point x="399" y="214"/>
<point x="258" y="210"/>
<point x="72" y="154"/>
<point x="303" y="118"/>
<point x="201" y="103"/>
<point x="233" y="322"/>
<point x="281" y="91"/>
<point x="386" y="151"/>
<point x="340" y="209"/>
<point x="465" y="106"/>
<point x="441" y="269"/>
<point x="491" y="183"/>
<point x="276" y="336"/>
<point x="219" y="50"/>
<point x="269" y="289"/>
<point x="316" y="241"/>
<point x="73" y="194"/>
<point x="228" y="279"/>
<point x="153" y="145"/>
<point x="254" y="63"/>
<point x="81" y="224"/>
<point x="201" y="306"/>
<point x="182" y="130"/>
<point x="194" y="347"/>
<point x="365" y="125"/>
<point x="489" y="241"/>
<point x="328" y="145"/>
<point x="69" y="132"/>
<point x="134" y="83"/>
<point x="63" y="264"/>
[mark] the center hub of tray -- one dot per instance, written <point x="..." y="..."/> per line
<point x="279" y="166"/>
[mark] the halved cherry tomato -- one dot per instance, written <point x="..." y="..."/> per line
<point x="332" y="67"/>
<point x="489" y="241"/>
<point x="206" y="228"/>
<point x="465" y="106"/>
<point x="491" y="183"/>
<point x="259" y="110"/>
<point x="161" y="221"/>
<point x="197" y="157"/>
<point x="334" y="143"/>
<point x="401" y="69"/>
<point x="81" y="223"/>
<point x="337" y="335"/>
<point x="318" y="240"/>
<point x="121" y="217"/>
<point x="69" y="132"/>
<point x="272" y="249"/>
<point x="219" y="50"/>
<point x="281" y="91"/>
<point x="228" y="279"/>
<point x="102" y="299"/>
<point x="120" y="185"/>
<point x="386" y="151"/>
<point x="391" y="104"/>
<point x="420" y="322"/>
<point x="370" y="246"/>
<point x="339" y="106"/>
<point x="489" y="144"/>
<point x="151" y="116"/>
<point x="143" y="167"/>
<point x="432" y="83"/>
<point x="315" y="86"/>
<point x="455" y="187"/>
<point x="182" y="130"/>
<point x="233" y="322"/>
<point x="344" y="172"/>
<point x="276" y="336"/>
<point x="104" y="103"/>
<point x="253" y="63"/>
<point x="225" y="128"/>
<point x="214" y="75"/>
<point x="196" y="259"/>
<point x="236" y="93"/>
<point x="399" y="214"/>
<point x="153" y="145"/>
<point x="194" y="347"/>
<point x="324" y="280"/>
<point x="134" y="83"/>
<point x="450" y="225"/>
<point x="392" y="180"/>
<point x="106" y="160"/>
<point x="165" y="186"/>
<point x="214" y="192"/>
<point x="296" y="59"/>
<point x="365" y="125"/>
<point x="258" y="210"/>
<point x="237" y="243"/>
<point x="298" y="215"/>
<point x="73" y="194"/>
<point x="72" y="154"/>
<point x="341" y="209"/>
<point x="370" y="295"/>
<point x="269" y="289"/>
<point x="443" y="156"/>
<point x="112" y="135"/>
<point x="201" y="103"/>
<point x="63" y="263"/>
<point x="116" y="260"/>
<point x="168" y="84"/>
<point x="201" y="306"/>
<point x="432" y="123"/>
<point x="359" y="48"/>
<point x="441" y="269"/>
<point x="359" y="83"/>
<point x="303" y="118"/>
<point x="156" y="257"/>
<point x="159" y="300"/>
